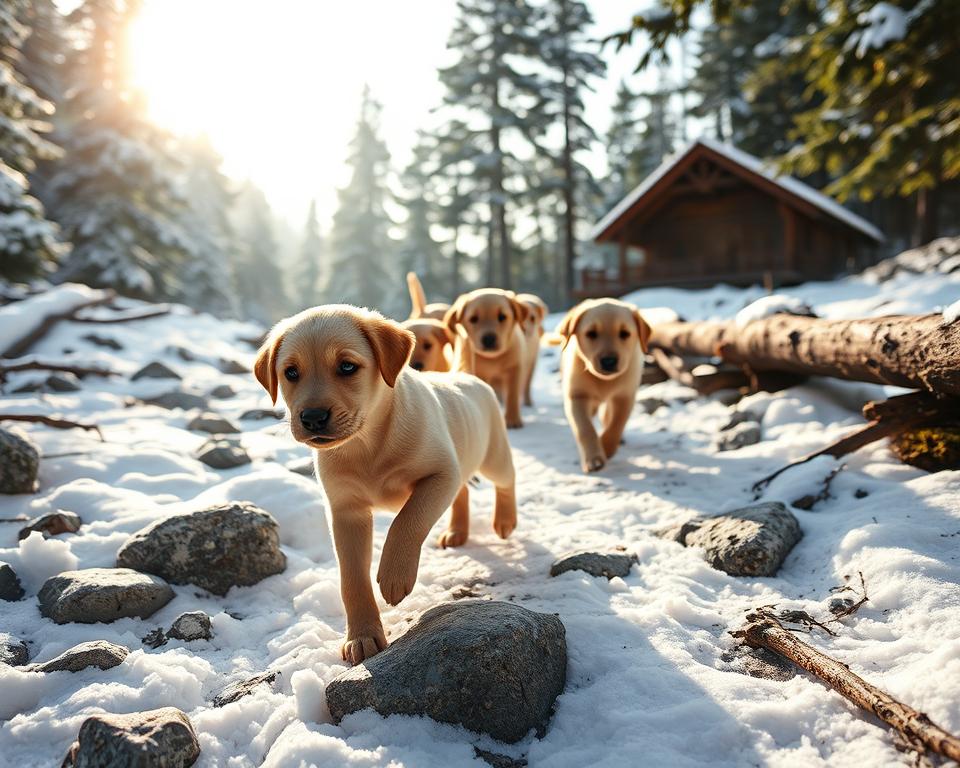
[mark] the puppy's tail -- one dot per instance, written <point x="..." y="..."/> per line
<point x="417" y="297"/>
<point x="551" y="339"/>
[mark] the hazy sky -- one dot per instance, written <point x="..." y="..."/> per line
<point x="276" y="86"/>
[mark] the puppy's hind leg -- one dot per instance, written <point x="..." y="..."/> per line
<point x="459" y="528"/>
<point x="498" y="468"/>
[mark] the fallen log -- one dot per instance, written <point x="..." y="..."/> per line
<point x="125" y="316"/>
<point x="51" y="421"/>
<point x="37" y="365"/>
<point x="765" y="631"/>
<point x="20" y="345"/>
<point x="917" y="352"/>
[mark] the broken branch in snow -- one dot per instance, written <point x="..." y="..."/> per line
<point x="51" y="421"/>
<point x="848" y="610"/>
<point x="812" y="499"/>
<point x="126" y="317"/>
<point x="765" y="631"/>
<point x="36" y="365"/>
<point x="21" y="345"/>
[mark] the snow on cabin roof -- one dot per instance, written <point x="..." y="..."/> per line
<point x="752" y="164"/>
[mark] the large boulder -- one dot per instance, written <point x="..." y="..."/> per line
<point x="217" y="548"/>
<point x="753" y="541"/>
<point x="19" y="462"/>
<point x="10" y="588"/>
<point x="96" y="653"/>
<point x="52" y="524"/>
<point x="608" y="564"/>
<point x="492" y="667"/>
<point x="102" y="594"/>
<point x="160" y="738"/>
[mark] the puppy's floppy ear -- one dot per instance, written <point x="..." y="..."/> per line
<point x="455" y="314"/>
<point x="520" y="310"/>
<point x="443" y="334"/>
<point x="392" y="345"/>
<point x="643" y="330"/>
<point x="568" y="326"/>
<point x="265" y="367"/>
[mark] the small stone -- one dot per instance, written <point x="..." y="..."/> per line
<point x="52" y="524"/>
<point x="492" y="667"/>
<point x="10" y="588"/>
<point x="63" y="383"/>
<point x="223" y="392"/>
<point x="258" y="414"/>
<point x="178" y="398"/>
<point x="213" y="423"/>
<point x="740" y="436"/>
<point x="103" y="341"/>
<point x="222" y="454"/>
<point x="232" y="367"/>
<point x="96" y="653"/>
<point x="194" y="625"/>
<point x="238" y="690"/>
<point x="651" y="404"/>
<point x="607" y="564"/>
<point x="861" y="493"/>
<point x="215" y="548"/>
<point x="160" y="738"/>
<point x="753" y="541"/>
<point x="499" y="761"/>
<point x="840" y="606"/>
<point x="155" y="370"/>
<point x="183" y="353"/>
<point x="13" y="651"/>
<point x="303" y="467"/>
<point x="154" y="638"/>
<point x="102" y="595"/>
<point x="737" y="418"/>
<point x="19" y="462"/>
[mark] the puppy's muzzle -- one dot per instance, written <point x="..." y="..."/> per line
<point x="609" y="363"/>
<point x="489" y="341"/>
<point x="315" y="420"/>
<point x="417" y="365"/>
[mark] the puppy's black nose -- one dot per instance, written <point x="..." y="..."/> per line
<point x="609" y="363"/>
<point x="489" y="340"/>
<point x="416" y="365"/>
<point x="315" y="419"/>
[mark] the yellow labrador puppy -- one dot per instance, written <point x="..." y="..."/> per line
<point x="532" y="333"/>
<point x="434" y="346"/>
<point x="601" y="364"/>
<point x="385" y="437"/>
<point x="418" y="301"/>
<point x="488" y="323"/>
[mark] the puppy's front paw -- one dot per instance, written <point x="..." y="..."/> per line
<point x="452" y="538"/>
<point x="514" y="422"/>
<point x="594" y="463"/>
<point x="397" y="578"/>
<point x="363" y="645"/>
<point x="504" y="524"/>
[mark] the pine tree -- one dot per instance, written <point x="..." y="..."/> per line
<point x="574" y="61"/>
<point x="309" y="272"/>
<point x="259" y="282"/>
<point x="364" y="270"/>
<point x="44" y="50"/>
<point x="658" y="136"/>
<point x="28" y="241"/>
<point x="490" y="37"/>
<point x="208" y="279"/>
<point x="116" y="194"/>
<point x="419" y="252"/>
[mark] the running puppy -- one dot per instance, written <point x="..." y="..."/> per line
<point x="418" y="301"/>
<point x="434" y="347"/>
<point x="384" y="437"/>
<point x="488" y="324"/>
<point x="532" y="333"/>
<point x="602" y="362"/>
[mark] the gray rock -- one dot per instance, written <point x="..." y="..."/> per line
<point x="223" y="392"/>
<point x="19" y="462"/>
<point x="303" y="467"/>
<point x="213" y="423"/>
<point x="52" y="524"/>
<point x="66" y="382"/>
<point x="160" y="738"/>
<point x="492" y="667"/>
<point x="13" y="651"/>
<point x="103" y="341"/>
<point x="216" y="548"/>
<point x="187" y="355"/>
<point x="222" y="453"/>
<point x="238" y="690"/>
<point x="258" y="414"/>
<point x="607" y="564"/>
<point x="736" y="418"/>
<point x="753" y="541"/>
<point x="651" y="404"/>
<point x="194" y="625"/>
<point x="96" y="653"/>
<point x="178" y="398"/>
<point x="10" y="588"/>
<point x="102" y="595"/>
<point x="155" y="370"/>
<point x="743" y="434"/>
<point x="499" y="761"/>
<point x="233" y="367"/>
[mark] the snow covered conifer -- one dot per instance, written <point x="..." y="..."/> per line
<point x="262" y="293"/>
<point x="309" y="270"/>
<point x="419" y="251"/>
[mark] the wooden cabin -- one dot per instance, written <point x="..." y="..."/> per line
<point x="714" y="214"/>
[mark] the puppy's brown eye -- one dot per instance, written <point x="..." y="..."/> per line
<point x="591" y="334"/>
<point x="473" y="319"/>
<point x="427" y="345"/>
<point x="346" y="368"/>
<point x="291" y="373"/>
<point x="624" y="334"/>
<point x="501" y="317"/>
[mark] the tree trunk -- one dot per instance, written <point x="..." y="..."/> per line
<point x="928" y="219"/>
<point x="569" y="204"/>
<point x="917" y="352"/>
<point x="764" y="631"/>
<point x="498" y="207"/>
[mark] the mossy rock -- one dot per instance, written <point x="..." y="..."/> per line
<point x="930" y="448"/>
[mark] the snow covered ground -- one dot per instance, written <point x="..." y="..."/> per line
<point x="647" y="681"/>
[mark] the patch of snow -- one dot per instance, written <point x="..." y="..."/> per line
<point x="951" y="313"/>
<point x="767" y="306"/>
<point x="885" y="23"/>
